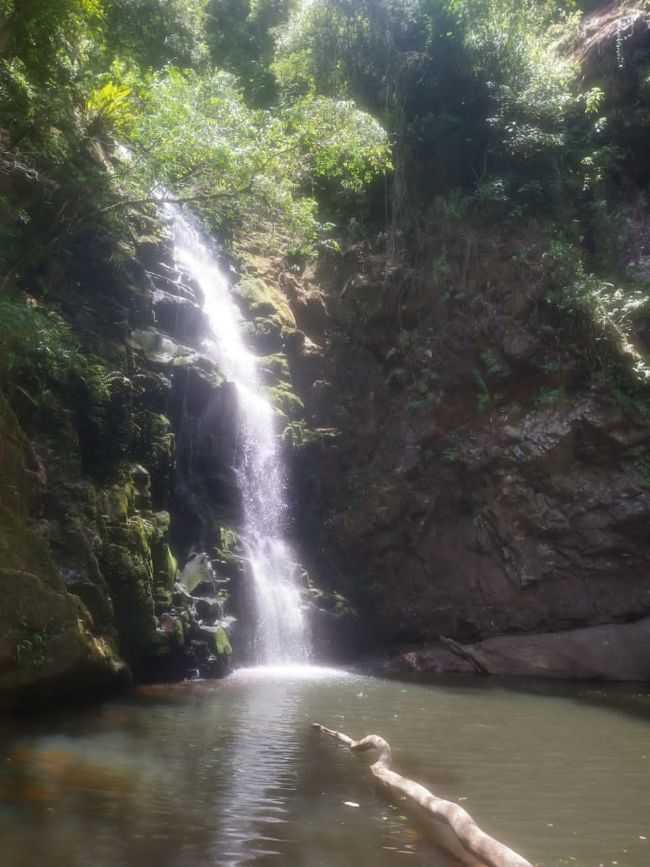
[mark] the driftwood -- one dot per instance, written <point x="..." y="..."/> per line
<point x="453" y="827"/>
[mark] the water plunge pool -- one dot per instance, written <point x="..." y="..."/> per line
<point x="231" y="773"/>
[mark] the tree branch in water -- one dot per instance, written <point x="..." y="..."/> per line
<point x="453" y="827"/>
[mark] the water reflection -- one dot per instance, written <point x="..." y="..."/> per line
<point x="231" y="773"/>
<point x="261" y="773"/>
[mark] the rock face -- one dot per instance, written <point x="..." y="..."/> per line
<point x="611" y="652"/>
<point x="98" y="487"/>
<point x="483" y="480"/>
<point x="118" y="501"/>
<point x="466" y="461"/>
<point x="48" y="642"/>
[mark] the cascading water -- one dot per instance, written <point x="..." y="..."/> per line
<point x="281" y="629"/>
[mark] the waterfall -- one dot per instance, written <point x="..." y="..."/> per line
<point x="281" y="632"/>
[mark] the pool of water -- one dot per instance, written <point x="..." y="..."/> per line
<point x="231" y="773"/>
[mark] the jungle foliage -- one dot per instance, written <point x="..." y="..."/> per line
<point x="291" y="117"/>
<point x="287" y="104"/>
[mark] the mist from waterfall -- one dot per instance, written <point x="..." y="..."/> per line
<point x="281" y="635"/>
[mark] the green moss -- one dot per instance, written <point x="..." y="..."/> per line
<point x="161" y="522"/>
<point x="298" y="434"/>
<point x="222" y="644"/>
<point x="275" y="368"/>
<point x="287" y="402"/>
<point x="171" y="565"/>
<point x="45" y="630"/>
<point x="128" y="565"/>
<point x="165" y="566"/>
<point x="14" y="490"/>
<point x="264" y="300"/>
<point x="163" y="599"/>
<point x="156" y="444"/>
<point x="225" y="552"/>
<point x="20" y="547"/>
<point x="117" y="502"/>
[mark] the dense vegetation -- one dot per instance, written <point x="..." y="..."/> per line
<point x="438" y="212"/>
<point x="309" y="124"/>
<point x="285" y="117"/>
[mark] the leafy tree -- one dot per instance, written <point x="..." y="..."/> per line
<point x="196" y="134"/>
<point x="42" y="33"/>
<point x="473" y="90"/>
<point x="154" y="33"/>
<point x="241" y="35"/>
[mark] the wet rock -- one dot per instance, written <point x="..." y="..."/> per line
<point x="150" y="252"/>
<point x="47" y="643"/>
<point x="178" y="316"/>
<point x="606" y="652"/>
<point x="159" y="348"/>
<point x="209" y="609"/>
<point x="197" y="570"/>
<point x="215" y="667"/>
<point x="520" y="345"/>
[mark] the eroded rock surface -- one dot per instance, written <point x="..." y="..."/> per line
<point x="609" y="652"/>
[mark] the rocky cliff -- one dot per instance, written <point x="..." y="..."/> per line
<point x="464" y="409"/>
<point x="484" y="417"/>
<point x="113" y="468"/>
<point x="486" y="478"/>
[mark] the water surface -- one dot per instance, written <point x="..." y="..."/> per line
<point x="231" y="773"/>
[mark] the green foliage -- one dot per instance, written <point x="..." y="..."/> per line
<point x="338" y="143"/>
<point x="547" y="397"/>
<point x="241" y="37"/>
<point x="38" y="349"/>
<point x="154" y="33"/>
<point x="47" y="36"/>
<point x="475" y="92"/>
<point x="197" y="135"/>
<point x="603" y="314"/>
<point x="33" y="337"/>
<point x="110" y="104"/>
<point x="485" y="398"/>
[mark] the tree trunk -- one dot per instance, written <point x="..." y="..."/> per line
<point x="453" y="827"/>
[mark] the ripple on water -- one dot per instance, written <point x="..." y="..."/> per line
<point x="291" y="672"/>
<point x="233" y="775"/>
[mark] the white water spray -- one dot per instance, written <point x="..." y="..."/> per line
<point x="281" y="632"/>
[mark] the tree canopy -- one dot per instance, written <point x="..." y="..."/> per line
<point x="287" y="113"/>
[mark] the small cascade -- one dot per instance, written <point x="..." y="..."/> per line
<point x="281" y="628"/>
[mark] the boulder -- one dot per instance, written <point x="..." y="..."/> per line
<point x="613" y="651"/>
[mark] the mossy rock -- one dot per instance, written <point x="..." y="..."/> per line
<point x="262" y="299"/>
<point x="275" y="369"/>
<point x="163" y="600"/>
<point x="165" y="566"/>
<point x="287" y="402"/>
<point x="128" y="565"/>
<point x="155" y="444"/>
<point x="229" y="543"/>
<point x="298" y="435"/>
<point x="264" y="334"/>
<point x="46" y="638"/>
<point x="161" y="522"/>
<point x="222" y="643"/>
<point x="118" y="501"/>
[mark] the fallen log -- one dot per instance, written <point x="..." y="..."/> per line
<point x="453" y="827"/>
